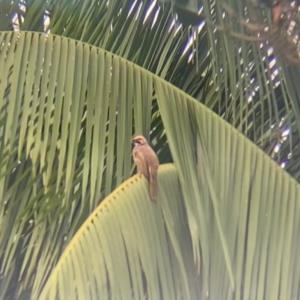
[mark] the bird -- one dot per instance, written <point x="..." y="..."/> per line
<point x="147" y="163"/>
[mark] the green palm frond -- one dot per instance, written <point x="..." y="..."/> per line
<point x="230" y="75"/>
<point x="253" y="69"/>
<point x="242" y="212"/>
<point x="240" y="193"/>
<point x="140" y="249"/>
<point x="68" y="110"/>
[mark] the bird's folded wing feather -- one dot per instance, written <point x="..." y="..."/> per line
<point x="140" y="162"/>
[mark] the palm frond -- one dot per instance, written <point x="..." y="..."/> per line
<point x="140" y="249"/>
<point x="242" y="197"/>
<point x="66" y="126"/>
<point x="235" y="198"/>
<point x="233" y="77"/>
<point x="64" y="144"/>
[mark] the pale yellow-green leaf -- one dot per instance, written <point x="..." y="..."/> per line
<point x="130" y="247"/>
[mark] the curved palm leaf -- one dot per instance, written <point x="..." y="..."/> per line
<point x="68" y="111"/>
<point x="66" y="125"/>
<point x="226" y="179"/>
<point x="231" y="76"/>
<point x="140" y="249"/>
<point x="124" y="248"/>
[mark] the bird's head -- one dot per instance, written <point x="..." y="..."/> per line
<point x="139" y="140"/>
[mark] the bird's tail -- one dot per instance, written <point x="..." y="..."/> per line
<point x="153" y="187"/>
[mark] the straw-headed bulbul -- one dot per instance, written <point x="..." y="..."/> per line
<point x="147" y="163"/>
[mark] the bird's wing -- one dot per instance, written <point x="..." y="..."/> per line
<point x="141" y="163"/>
<point x="153" y="164"/>
<point x="147" y="164"/>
